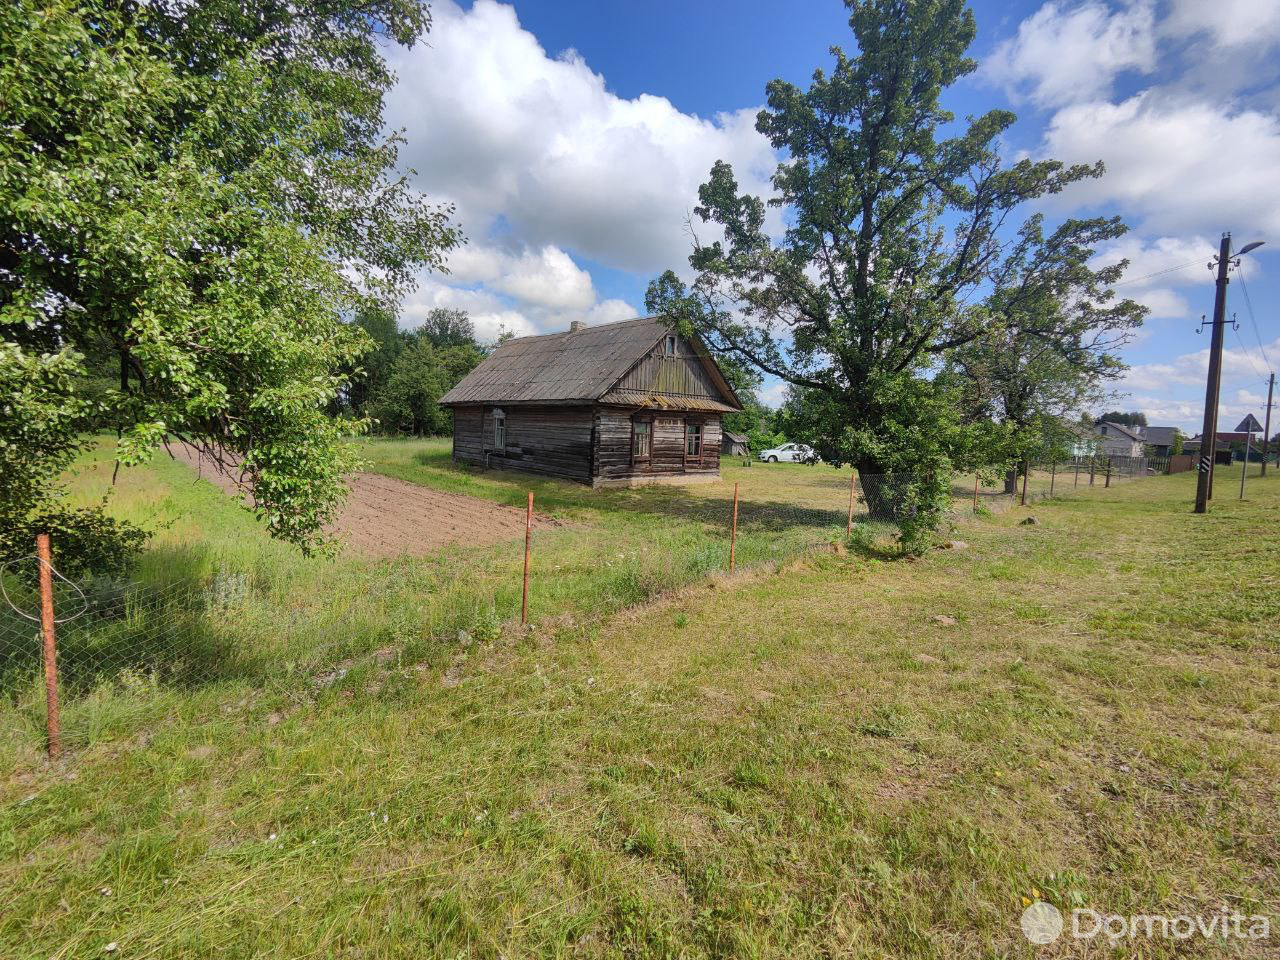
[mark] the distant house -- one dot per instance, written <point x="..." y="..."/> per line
<point x="1228" y="442"/>
<point x="621" y="404"/>
<point x="1160" y="441"/>
<point x="734" y="445"/>
<point x="1117" y="440"/>
<point x="1084" y="442"/>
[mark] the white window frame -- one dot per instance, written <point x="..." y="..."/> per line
<point x="636" y="456"/>
<point x="700" y="428"/>
<point x="499" y="431"/>
<point x="670" y="346"/>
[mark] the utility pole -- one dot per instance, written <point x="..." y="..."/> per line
<point x="1209" y="433"/>
<point x="1266" y="431"/>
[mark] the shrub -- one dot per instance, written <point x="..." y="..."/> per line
<point x="84" y="542"/>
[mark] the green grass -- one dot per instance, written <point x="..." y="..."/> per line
<point x="804" y="763"/>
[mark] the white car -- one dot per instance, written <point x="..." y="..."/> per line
<point x="789" y="453"/>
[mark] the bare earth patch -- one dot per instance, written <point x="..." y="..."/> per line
<point x="386" y="517"/>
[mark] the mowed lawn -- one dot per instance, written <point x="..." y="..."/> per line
<point x="850" y="757"/>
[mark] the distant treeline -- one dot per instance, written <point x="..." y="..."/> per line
<point x="399" y="382"/>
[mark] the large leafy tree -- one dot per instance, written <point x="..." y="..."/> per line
<point x="894" y="218"/>
<point x="1050" y="331"/>
<point x="199" y="192"/>
<point x="444" y="327"/>
<point x="409" y="402"/>
<point x="368" y="377"/>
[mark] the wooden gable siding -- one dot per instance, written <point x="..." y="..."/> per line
<point x="612" y="455"/>
<point x="682" y="375"/>
<point x="544" y="439"/>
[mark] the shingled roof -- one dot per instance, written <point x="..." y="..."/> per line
<point x="578" y="366"/>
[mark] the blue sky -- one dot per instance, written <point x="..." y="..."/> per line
<point x="572" y="136"/>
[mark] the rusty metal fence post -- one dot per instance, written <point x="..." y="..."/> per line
<point x="976" y="480"/>
<point x="1108" y="483"/>
<point x="53" y="727"/>
<point x="528" y="537"/>
<point x="733" y="532"/>
<point x="1053" y="476"/>
<point x="848" y="524"/>
<point x="1026" y="472"/>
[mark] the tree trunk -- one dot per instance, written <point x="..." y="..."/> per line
<point x="1011" y="480"/>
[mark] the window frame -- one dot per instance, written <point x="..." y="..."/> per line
<point x="671" y="346"/>
<point x="639" y="458"/>
<point x="700" y="427"/>
<point x="499" y="431"/>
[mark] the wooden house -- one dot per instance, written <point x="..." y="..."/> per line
<point x="735" y="445"/>
<point x="620" y="404"/>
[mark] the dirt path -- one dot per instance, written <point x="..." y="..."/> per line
<point x="386" y="517"/>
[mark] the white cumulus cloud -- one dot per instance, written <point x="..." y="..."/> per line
<point x="546" y="277"/>
<point x="1164" y="158"/>
<point x="1068" y="53"/>
<point x="541" y="145"/>
<point x="1228" y="23"/>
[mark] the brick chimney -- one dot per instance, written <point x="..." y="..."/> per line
<point x="575" y="326"/>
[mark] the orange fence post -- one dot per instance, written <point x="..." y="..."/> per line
<point x="733" y="534"/>
<point x="528" y="537"/>
<point x="853" y="480"/>
<point x="53" y="727"/>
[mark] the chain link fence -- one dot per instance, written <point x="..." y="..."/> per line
<point x="1041" y="480"/>
<point x="110" y="634"/>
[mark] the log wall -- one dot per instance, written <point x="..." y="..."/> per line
<point x="551" y="440"/>
<point x="581" y="443"/>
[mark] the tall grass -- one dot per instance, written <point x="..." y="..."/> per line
<point x="214" y="601"/>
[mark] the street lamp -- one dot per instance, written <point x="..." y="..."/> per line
<point x="1209" y="434"/>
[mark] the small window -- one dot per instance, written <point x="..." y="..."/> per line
<point x="499" y="430"/>
<point x="641" y="439"/>
<point x="670" y="347"/>
<point x="693" y="441"/>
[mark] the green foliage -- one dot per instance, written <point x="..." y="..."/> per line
<point x="758" y="422"/>
<point x="39" y="420"/>
<point x="399" y="383"/>
<point x="914" y="444"/>
<point x="1135" y="418"/>
<point x="83" y="542"/>
<point x="409" y="401"/>
<point x="448" y="328"/>
<point x="1050" y="329"/>
<point x="891" y="228"/>
<point x="191" y="196"/>
<point x="369" y="377"/>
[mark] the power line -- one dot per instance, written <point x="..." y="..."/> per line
<point x="1247" y="355"/>
<point x="1254" y="320"/>
<point x="1158" y="273"/>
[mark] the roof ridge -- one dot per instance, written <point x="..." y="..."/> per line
<point x="584" y="329"/>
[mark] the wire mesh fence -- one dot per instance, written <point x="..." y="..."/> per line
<point x="108" y="633"/>
<point x="113" y="634"/>
<point x="1041" y="480"/>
